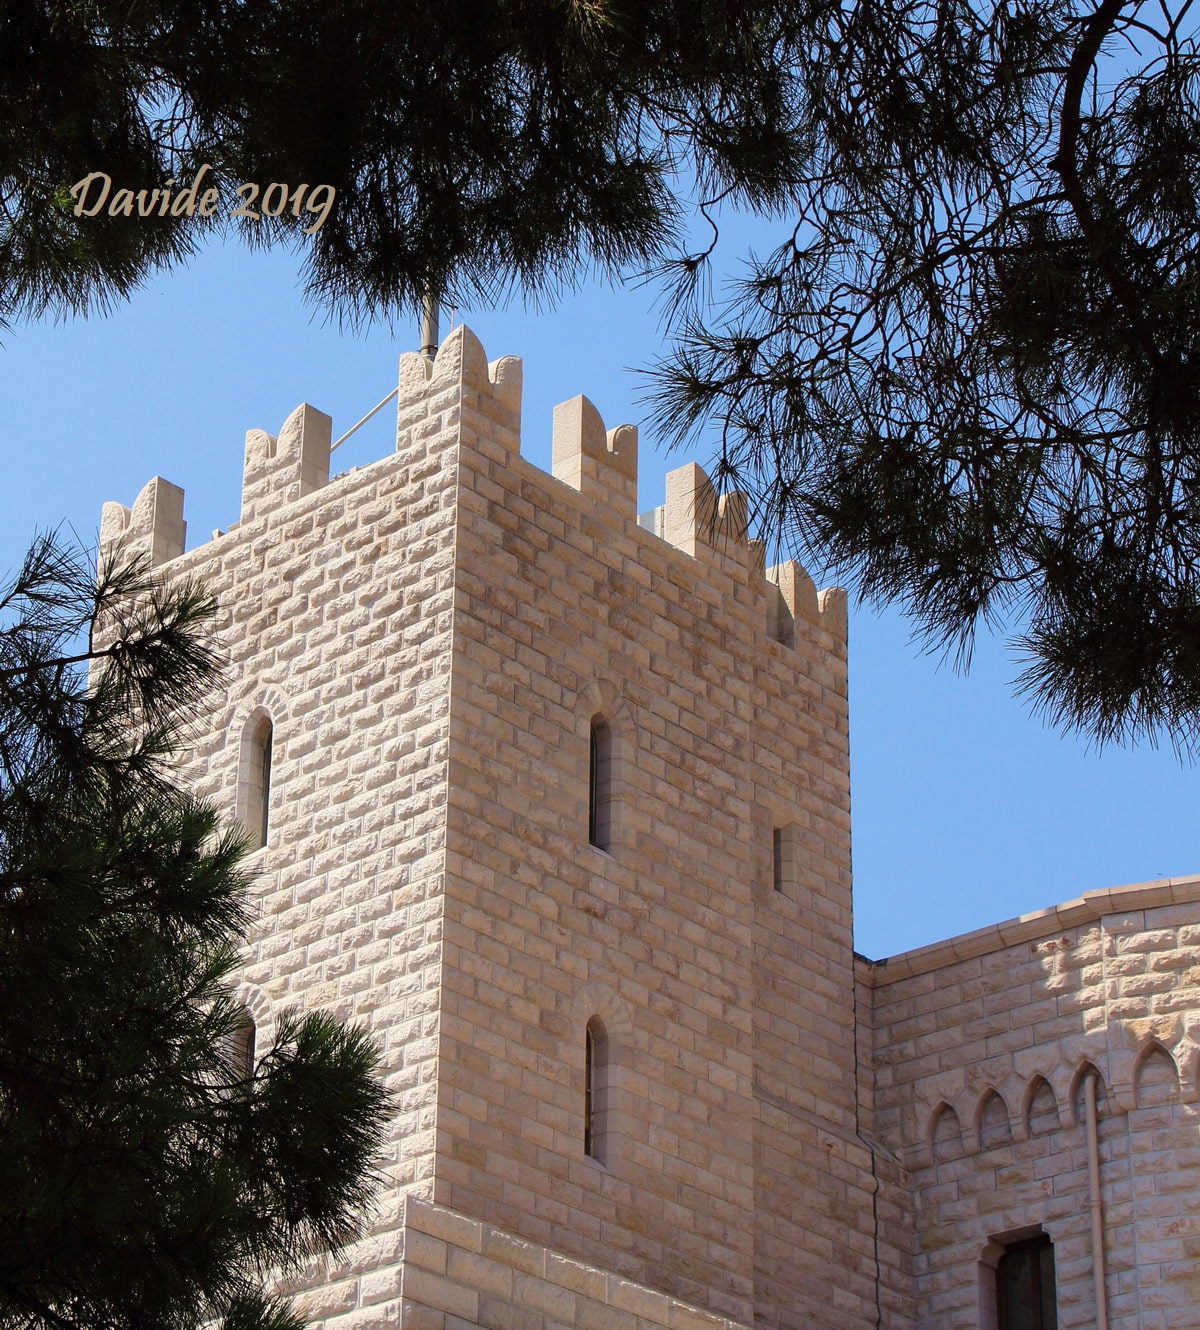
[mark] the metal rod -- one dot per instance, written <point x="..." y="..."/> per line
<point x="365" y="418"/>
<point x="1093" y="1148"/>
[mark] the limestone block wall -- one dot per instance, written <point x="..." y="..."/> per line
<point x="458" y="1273"/>
<point x="427" y="642"/>
<point x="335" y="612"/>
<point x="982" y="1046"/>
<point x="831" y="1209"/>
<point x="711" y="985"/>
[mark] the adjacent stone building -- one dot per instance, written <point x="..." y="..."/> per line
<point x="555" y="801"/>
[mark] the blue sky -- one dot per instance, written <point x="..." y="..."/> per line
<point x="966" y="809"/>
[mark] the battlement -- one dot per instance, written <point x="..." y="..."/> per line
<point x="437" y="394"/>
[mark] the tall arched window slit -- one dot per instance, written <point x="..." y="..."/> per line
<point x="595" y="1091"/>
<point x="255" y="796"/>
<point x="600" y="784"/>
<point x="239" y="1048"/>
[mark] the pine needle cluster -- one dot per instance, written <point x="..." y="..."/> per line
<point x="969" y="379"/>
<point x="149" y="1181"/>
<point x="474" y="145"/>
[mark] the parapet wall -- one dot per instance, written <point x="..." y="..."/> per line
<point x="281" y="469"/>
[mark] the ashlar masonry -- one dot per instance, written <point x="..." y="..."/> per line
<point x="642" y="1080"/>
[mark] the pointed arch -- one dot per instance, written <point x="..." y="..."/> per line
<point x="1041" y="1113"/>
<point x="945" y="1134"/>
<point x="1155" y="1077"/>
<point x="992" y="1122"/>
<point x="1085" y="1069"/>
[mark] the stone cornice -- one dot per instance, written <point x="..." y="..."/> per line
<point x="1089" y="908"/>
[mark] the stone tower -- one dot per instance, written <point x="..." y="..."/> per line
<point x="556" y="803"/>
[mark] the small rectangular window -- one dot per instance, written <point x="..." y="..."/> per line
<point x="783" y="859"/>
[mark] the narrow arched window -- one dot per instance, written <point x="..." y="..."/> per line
<point x="257" y="759"/>
<point x="239" y="1049"/>
<point x="595" y="1090"/>
<point x="600" y="785"/>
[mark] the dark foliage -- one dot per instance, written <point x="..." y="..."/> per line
<point x="148" y="1181"/>
<point x="970" y="378"/>
<point x="473" y="144"/>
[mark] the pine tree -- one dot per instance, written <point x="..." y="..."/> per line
<point x="149" y="1175"/>
<point x="968" y="380"/>
<point x="473" y="145"/>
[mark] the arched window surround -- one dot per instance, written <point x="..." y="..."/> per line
<point x="607" y="766"/>
<point x="1155" y="1056"/>
<point x="604" y="1045"/>
<point x="241" y="1046"/>
<point x="251" y="1039"/>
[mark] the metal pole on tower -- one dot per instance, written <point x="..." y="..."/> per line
<point x="429" y="325"/>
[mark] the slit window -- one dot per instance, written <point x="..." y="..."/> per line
<point x="783" y="858"/>
<point x="239" y="1049"/>
<point x="600" y="785"/>
<point x="1025" y="1293"/>
<point x="258" y="782"/>
<point x="595" y="1090"/>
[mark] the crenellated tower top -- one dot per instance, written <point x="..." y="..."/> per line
<point x="600" y="464"/>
